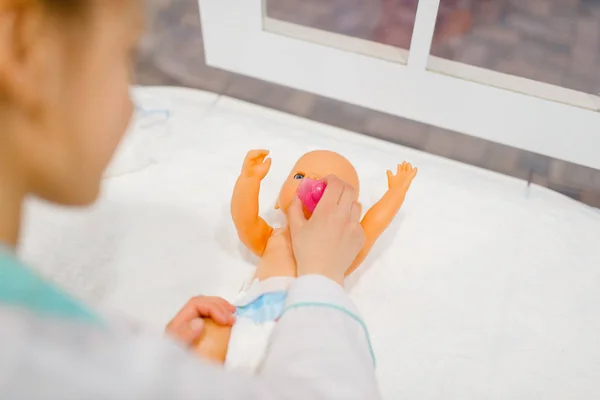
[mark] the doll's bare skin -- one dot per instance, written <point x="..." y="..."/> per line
<point x="274" y="246"/>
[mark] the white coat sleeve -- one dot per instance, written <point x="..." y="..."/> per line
<point x="322" y="344"/>
<point x="319" y="350"/>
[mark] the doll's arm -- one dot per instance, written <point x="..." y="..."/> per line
<point x="253" y="231"/>
<point x="381" y="215"/>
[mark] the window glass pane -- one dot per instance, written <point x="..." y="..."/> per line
<point x="387" y="22"/>
<point x="550" y="41"/>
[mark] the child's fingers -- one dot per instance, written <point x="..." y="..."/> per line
<point x="227" y="305"/>
<point x="191" y="331"/>
<point x="296" y="215"/>
<point x="347" y="199"/>
<point x="199" y="307"/>
<point x="355" y="212"/>
<point x="189" y="312"/>
<point x="220" y="315"/>
<point x="220" y="311"/>
<point x="332" y="195"/>
<point x="188" y="332"/>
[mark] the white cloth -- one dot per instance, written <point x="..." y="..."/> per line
<point x="249" y="338"/>
<point x="488" y="280"/>
<point x="314" y="353"/>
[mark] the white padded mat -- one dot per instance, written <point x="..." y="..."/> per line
<point x="481" y="289"/>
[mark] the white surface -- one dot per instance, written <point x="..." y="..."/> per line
<point x="235" y="40"/>
<point x="481" y="289"/>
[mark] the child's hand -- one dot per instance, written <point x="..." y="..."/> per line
<point x="403" y="178"/>
<point x="188" y="325"/>
<point x="328" y="242"/>
<point x="255" y="164"/>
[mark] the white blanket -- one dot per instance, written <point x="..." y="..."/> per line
<point x="482" y="288"/>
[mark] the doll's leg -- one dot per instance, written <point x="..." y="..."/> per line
<point x="213" y="343"/>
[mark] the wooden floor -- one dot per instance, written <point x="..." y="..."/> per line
<point x="553" y="41"/>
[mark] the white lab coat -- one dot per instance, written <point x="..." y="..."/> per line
<point x="318" y="350"/>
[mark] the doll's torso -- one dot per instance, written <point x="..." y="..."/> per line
<point x="278" y="258"/>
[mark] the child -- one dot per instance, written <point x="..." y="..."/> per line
<point x="64" y="105"/>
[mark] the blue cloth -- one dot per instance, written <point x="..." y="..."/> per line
<point x="21" y="287"/>
<point x="266" y="308"/>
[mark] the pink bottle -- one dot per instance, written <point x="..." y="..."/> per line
<point x="310" y="192"/>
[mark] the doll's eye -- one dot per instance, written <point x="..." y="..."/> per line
<point x="299" y="176"/>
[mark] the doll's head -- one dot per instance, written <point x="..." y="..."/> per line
<point x="316" y="165"/>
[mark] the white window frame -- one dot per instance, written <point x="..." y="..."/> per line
<point x="517" y="112"/>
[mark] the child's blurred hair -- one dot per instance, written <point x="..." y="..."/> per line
<point x="65" y="7"/>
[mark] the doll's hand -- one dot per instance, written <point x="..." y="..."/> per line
<point x="188" y="325"/>
<point x="255" y="164"/>
<point x="403" y="178"/>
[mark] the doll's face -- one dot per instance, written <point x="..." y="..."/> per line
<point x="316" y="165"/>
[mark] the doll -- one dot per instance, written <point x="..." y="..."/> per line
<point x="261" y="301"/>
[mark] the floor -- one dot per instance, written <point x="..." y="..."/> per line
<point x="555" y="41"/>
<point x="480" y="289"/>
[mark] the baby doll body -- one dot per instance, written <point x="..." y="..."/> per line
<point x="261" y="301"/>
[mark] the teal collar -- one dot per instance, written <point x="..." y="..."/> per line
<point x="22" y="287"/>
